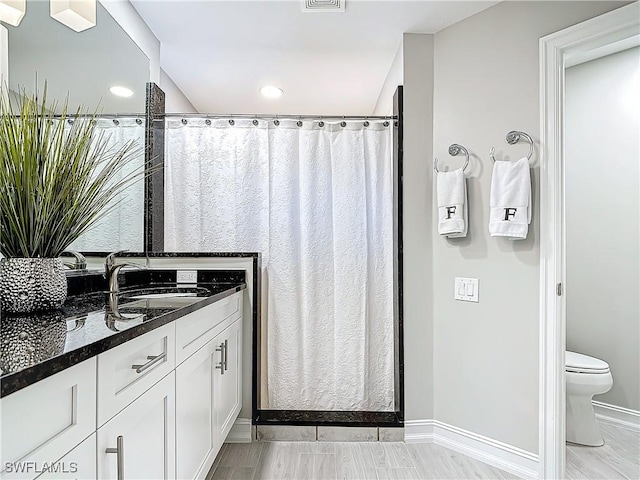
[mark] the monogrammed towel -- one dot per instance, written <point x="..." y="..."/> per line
<point x="510" y="200"/>
<point x="452" y="203"/>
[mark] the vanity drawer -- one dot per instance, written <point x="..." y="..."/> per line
<point x="128" y="370"/>
<point x="44" y="421"/>
<point x="196" y="329"/>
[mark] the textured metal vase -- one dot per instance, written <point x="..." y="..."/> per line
<point x="29" y="339"/>
<point x="32" y="284"/>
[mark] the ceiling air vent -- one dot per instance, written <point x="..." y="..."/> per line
<point x="323" y="5"/>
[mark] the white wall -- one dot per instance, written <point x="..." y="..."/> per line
<point x="131" y="22"/>
<point x="128" y="18"/>
<point x="602" y="148"/>
<point x="174" y="101"/>
<point x="417" y="52"/>
<point x="485" y="355"/>
<point x="384" y="104"/>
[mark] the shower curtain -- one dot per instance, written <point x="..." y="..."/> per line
<point x="123" y="227"/>
<point x="317" y="202"/>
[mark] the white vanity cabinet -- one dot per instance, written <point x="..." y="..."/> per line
<point x="130" y="369"/>
<point x="158" y="406"/>
<point x="228" y="384"/>
<point x="43" y="422"/>
<point x="78" y="464"/>
<point x="139" y="442"/>
<point x="196" y="436"/>
<point x="208" y="385"/>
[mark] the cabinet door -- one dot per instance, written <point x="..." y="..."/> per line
<point x="78" y="464"/>
<point x="147" y="428"/>
<point x="44" y="421"/>
<point x="227" y="389"/>
<point x="196" y="438"/>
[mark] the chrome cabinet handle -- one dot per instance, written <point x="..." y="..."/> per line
<point x="153" y="359"/>
<point x="119" y="451"/>
<point x="226" y="355"/>
<point x="221" y="366"/>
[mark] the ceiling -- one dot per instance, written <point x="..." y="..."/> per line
<point x="221" y="52"/>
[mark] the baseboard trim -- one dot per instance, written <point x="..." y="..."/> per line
<point x="618" y="416"/>
<point x="418" y="431"/>
<point x="240" y="432"/>
<point x="506" y="457"/>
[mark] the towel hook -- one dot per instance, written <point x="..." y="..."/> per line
<point x="513" y="137"/>
<point x="454" y="149"/>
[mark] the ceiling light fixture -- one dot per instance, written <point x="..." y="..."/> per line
<point x="12" y="11"/>
<point x="78" y="15"/>
<point x="121" y="91"/>
<point x="270" y="91"/>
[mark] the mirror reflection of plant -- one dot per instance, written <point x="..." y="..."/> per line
<point x="56" y="180"/>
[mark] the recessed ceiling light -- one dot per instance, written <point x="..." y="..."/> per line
<point x="121" y="91"/>
<point x="270" y="91"/>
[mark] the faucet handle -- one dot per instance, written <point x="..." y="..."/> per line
<point x="110" y="261"/>
<point x="80" y="262"/>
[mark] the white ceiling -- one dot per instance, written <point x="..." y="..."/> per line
<point x="221" y="52"/>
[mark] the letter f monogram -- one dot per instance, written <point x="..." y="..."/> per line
<point x="450" y="211"/>
<point x="509" y="212"/>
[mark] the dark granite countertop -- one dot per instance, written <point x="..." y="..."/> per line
<point x="36" y="346"/>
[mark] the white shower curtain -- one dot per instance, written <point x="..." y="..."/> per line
<point x="123" y="227"/>
<point x="317" y="202"/>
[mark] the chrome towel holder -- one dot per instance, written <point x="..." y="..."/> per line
<point x="514" y="137"/>
<point x="454" y="149"/>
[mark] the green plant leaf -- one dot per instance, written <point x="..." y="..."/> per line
<point x="56" y="181"/>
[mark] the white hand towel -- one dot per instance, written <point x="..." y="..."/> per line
<point x="452" y="203"/>
<point x="510" y="200"/>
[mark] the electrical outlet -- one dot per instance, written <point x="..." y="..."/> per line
<point x="186" y="276"/>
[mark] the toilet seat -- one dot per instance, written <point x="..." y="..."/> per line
<point x="579" y="363"/>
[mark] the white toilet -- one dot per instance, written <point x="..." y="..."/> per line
<point x="586" y="376"/>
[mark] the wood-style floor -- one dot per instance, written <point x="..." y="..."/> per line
<point x="619" y="457"/>
<point x="344" y="461"/>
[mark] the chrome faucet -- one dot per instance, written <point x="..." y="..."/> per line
<point x="80" y="262"/>
<point x="112" y="269"/>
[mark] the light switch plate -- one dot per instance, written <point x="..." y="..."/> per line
<point x="186" y="276"/>
<point x="466" y="289"/>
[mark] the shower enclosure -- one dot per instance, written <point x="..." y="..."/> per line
<point x="318" y="197"/>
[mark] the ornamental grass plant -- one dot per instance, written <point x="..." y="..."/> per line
<point x="57" y="177"/>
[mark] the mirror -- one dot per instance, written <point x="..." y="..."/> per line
<point x="83" y="66"/>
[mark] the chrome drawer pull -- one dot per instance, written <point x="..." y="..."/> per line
<point x="221" y="350"/>
<point x="119" y="451"/>
<point x="226" y="355"/>
<point x="153" y="359"/>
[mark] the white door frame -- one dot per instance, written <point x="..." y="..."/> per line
<point x="608" y="33"/>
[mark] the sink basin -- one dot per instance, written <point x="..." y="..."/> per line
<point x="162" y="295"/>
<point x="142" y="293"/>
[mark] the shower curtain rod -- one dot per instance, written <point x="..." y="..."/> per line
<point x="251" y="116"/>
<point x="98" y="116"/>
